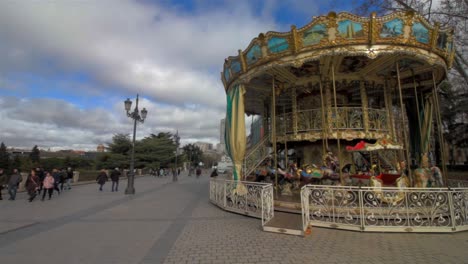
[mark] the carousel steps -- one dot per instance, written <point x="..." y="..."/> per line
<point x="285" y="223"/>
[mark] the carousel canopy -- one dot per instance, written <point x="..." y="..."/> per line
<point x="355" y="49"/>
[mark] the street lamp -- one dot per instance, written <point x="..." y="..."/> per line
<point x="140" y="117"/>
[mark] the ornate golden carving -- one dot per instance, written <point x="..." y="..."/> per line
<point x="294" y="39"/>
<point x="242" y="60"/>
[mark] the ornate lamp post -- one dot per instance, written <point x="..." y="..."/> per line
<point x="140" y="117"/>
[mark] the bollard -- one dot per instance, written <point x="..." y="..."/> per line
<point x="76" y="176"/>
<point x="22" y="185"/>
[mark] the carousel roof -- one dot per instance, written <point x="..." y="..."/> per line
<point x="354" y="48"/>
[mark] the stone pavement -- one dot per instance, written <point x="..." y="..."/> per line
<point x="167" y="222"/>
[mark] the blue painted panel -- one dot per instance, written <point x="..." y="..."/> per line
<point x="226" y="74"/>
<point x="392" y="28"/>
<point x="314" y="34"/>
<point x="350" y="29"/>
<point x="254" y="54"/>
<point x="235" y="66"/>
<point x="276" y="44"/>
<point x="421" y="33"/>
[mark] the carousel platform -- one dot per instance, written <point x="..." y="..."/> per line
<point x="285" y="223"/>
<point x="288" y="203"/>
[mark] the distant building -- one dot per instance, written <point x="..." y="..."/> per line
<point x="101" y="148"/>
<point x="204" y="146"/>
<point x="13" y="152"/>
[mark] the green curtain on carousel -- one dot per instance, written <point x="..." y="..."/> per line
<point x="235" y="128"/>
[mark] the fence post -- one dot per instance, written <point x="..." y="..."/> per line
<point x="361" y="209"/>
<point x="261" y="194"/>
<point x="452" y="209"/>
<point x="224" y="196"/>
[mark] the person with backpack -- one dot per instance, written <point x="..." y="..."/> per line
<point x="115" y="175"/>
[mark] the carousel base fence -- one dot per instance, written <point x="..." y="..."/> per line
<point x="248" y="198"/>
<point x="385" y="209"/>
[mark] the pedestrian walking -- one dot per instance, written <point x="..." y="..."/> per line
<point x="13" y="184"/>
<point x="32" y="185"/>
<point x="48" y="186"/>
<point x="3" y="181"/>
<point x="63" y="178"/>
<point x="101" y="179"/>
<point x="115" y="175"/>
<point x="56" y="175"/>
<point x="40" y="173"/>
<point x="69" y="178"/>
<point x="198" y="172"/>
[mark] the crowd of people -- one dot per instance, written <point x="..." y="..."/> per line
<point x="38" y="182"/>
<point x="46" y="183"/>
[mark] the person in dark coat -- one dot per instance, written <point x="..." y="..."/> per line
<point x="3" y="181"/>
<point x="101" y="179"/>
<point x="56" y="174"/>
<point x="115" y="175"/>
<point x="40" y="173"/>
<point x="69" y="178"/>
<point x="214" y="173"/>
<point x="32" y="185"/>
<point x="13" y="184"/>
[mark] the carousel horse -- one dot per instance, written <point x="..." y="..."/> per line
<point x="312" y="174"/>
<point x="427" y="176"/>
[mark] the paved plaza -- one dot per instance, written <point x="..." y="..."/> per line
<point x="169" y="222"/>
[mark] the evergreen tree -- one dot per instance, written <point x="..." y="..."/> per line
<point x="4" y="157"/>
<point x="35" y="155"/>
<point x="121" y="144"/>
<point x="193" y="153"/>
<point x="16" y="163"/>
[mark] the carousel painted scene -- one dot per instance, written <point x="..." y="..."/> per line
<point x="345" y="128"/>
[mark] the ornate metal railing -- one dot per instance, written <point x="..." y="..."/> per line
<point x="457" y="183"/>
<point x="256" y="201"/>
<point x="343" y="118"/>
<point x="385" y="209"/>
<point x="256" y="155"/>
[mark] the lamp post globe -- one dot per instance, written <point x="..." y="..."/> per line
<point x="137" y="116"/>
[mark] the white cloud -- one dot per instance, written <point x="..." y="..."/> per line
<point x="49" y="122"/>
<point x="171" y="58"/>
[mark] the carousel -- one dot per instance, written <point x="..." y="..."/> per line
<point x="346" y="127"/>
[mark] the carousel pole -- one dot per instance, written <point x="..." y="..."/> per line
<point x="439" y="126"/>
<point x="405" y="142"/>
<point x="285" y="141"/>
<point x="273" y="129"/>
<point x="388" y="107"/>
<point x="419" y="118"/>
<point x="336" y="116"/>
<point x="322" y="107"/>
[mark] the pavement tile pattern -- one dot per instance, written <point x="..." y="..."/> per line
<point x="166" y="222"/>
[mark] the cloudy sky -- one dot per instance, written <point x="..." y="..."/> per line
<point x="66" y="66"/>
